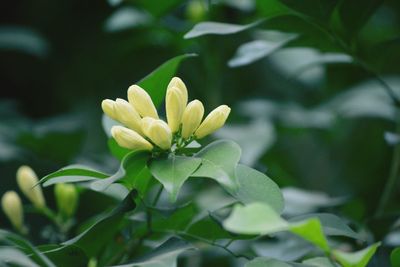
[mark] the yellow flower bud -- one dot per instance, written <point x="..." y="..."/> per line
<point x="174" y="106"/>
<point x="178" y="83"/>
<point x="191" y="118"/>
<point x="130" y="139"/>
<point x="215" y="120"/>
<point x="158" y="131"/>
<point x="142" y="102"/>
<point x="127" y="114"/>
<point x="67" y="199"/>
<point x="28" y="183"/>
<point x="12" y="207"/>
<point x="108" y="108"/>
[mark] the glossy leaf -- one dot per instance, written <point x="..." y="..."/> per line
<point x="319" y="262"/>
<point x="263" y="262"/>
<point x="311" y="230"/>
<point x="95" y="237"/>
<point x="163" y="256"/>
<point x="72" y="174"/>
<point x="356" y="259"/>
<point x="218" y="28"/>
<point x="218" y="161"/>
<point x="255" y="186"/>
<point x="15" y="257"/>
<point x="173" y="171"/>
<point x="254" y="219"/>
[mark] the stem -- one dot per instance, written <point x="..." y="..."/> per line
<point x="394" y="170"/>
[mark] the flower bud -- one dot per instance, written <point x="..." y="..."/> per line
<point x="191" y="118"/>
<point x="215" y="120"/>
<point x="12" y="207"/>
<point x="158" y="131"/>
<point x="28" y="183"/>
<point x="174" y="106"/>
<point x="127" y="114"/>
<point x="178" y="83"/>
<point x="142" y="102"/>
<point x="108" y="108"/>
<point x="67" y="199"/>
<point x="130" y="139"/>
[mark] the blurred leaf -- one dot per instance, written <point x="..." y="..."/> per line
<point x="23" y="40"/>
<point x="263" y="262"/>
<point x="173" y="171"/>
<point x="116" y="150"/>
<point x="163" y="256"/>
<point x="26" y="246"/>
<point x="99" y="234"/>
<point x="131" y="173"/>
<point x="319" y="262"/>
<point x="14" y="257"/>
<point x="219" y="28"/>
<point x="285" y="247"/>
<point x="219" y="161"/>
<point x="243" y="5"/>
<point x="72" y="174"/>
<point x="254" y="138"/>
<point x="156" y="82"/>
<point x="392" y="138"/>
<point x="255" y="50"/>
<point x="272" y="8"/>
<point x="331" y="224"/>
<point x="319" y="9"/>
<point x="298" y="201"/>
<point x="158" y="8"/>
<point x="395" y="257"/>
<point x="65" y="256"/>
<point x="255" y="186"/>
<point x="354" y="16"/>
<point x="311" y="230"/>
<point x="254" y="219"/>
<point x="356" y="259"/>
<point x="126" y="18"/>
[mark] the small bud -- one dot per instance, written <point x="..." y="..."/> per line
<point x="215" y="120"/>
<point x="108" y="108"/>
<point x="158" y="131"/>
<point x="12" y="207"/>
<point x="67" y="199"/>
<point x="142" y="102"/>
<point x="28" y="183"/>
<point x="178" y="83"/>
<point x="174" y="106"/>
<point x="127" y="114"/>
<point x="130" y="139"/>
<point x="191" y="118"/>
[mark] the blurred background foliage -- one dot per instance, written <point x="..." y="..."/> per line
<point x="310" y="83"/>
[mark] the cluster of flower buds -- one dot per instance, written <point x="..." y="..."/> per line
<point x="144" y="130"/>
<point x="27" y="180"/>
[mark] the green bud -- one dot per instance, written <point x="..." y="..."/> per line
<point x="67" y="199"/>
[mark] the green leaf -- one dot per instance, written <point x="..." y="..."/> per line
<point x="157" y="81"/>
<point x="157" y="8"/>
<point x="319" y="262"/>
<point x="131" y="173"/>
<point x="116" y="150"/>
<point x="263" y="262"/>
<point x="14" y="257"/>
<point x="255" y="186"/>
<point x="356" y="259"/>
<point x="255" y="50"/>
<point x="219" y="28"/>
<point x="254" y="219"/>
<point x="311" y="230"/>
<point x="95" y="237"/>
<point x="395" y="257"/>
<point x="126" y="18"/>
<point x="72" y="174"/>
<point x="163" y="256"/>
<point x="332" y="224"/>
<point x="26" y="246"/>
<point x="319" y="9"/>
<point x="65" y="256"/>
<point x="218" y="161"/>
<point x="272" y="8"/>
<point x="354" y="16"/>
<point x="173" y="171"/>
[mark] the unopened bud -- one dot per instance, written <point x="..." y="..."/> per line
<point x="191" y="118"/>
<point x="67" y="199"/>
<point x="127" y="114"/>
<point x="174" y="106"/>
<point x="130" y="139"/>
<point x="178" y="83"/>
<point x="12" y="207"/>
<point x="142" y="102"/>
<point x="158" y="131"/>
<point x="108" y="108"/>
<point x="28" y="183"/>
<point x="215" y="120"/>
